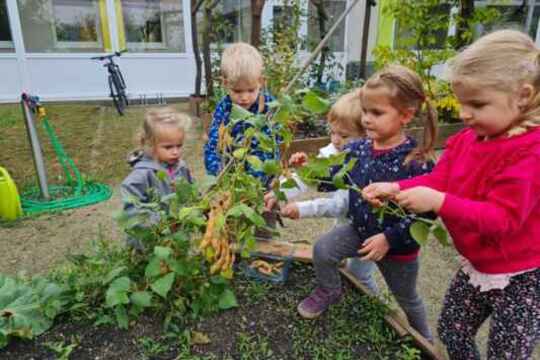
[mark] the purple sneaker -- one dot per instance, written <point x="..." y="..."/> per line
<point x="318" y="301"/>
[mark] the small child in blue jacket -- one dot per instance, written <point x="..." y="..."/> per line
<point x="242" y="70"/>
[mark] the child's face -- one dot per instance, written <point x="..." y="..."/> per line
<point x="168" y="145"/>
<point x="342" y="133"/>
<point x="382" y="121"/>
<point x="488" y="112"/>
<point x="244" y="93"/>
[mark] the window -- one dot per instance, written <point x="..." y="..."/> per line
<point x="332" y="10"/>
<point x="63" y="25"/>
<point x="153" y="25"/>
<point x="513" y="15"/>
<point x="6" y="43"/>
<point x="237" y="15"/>
<point x="402" y="34"/>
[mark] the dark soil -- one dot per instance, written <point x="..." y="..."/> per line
<point x="264" y="326"/>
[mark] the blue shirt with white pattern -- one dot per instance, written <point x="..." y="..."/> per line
<point x="385" y="166"/>
<point x="213" y="160"/>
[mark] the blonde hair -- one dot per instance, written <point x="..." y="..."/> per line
<point x="158" y="117"/>
<point x="241" y="61"/>
<point x="406" y="91"/>
<point x="347" y="110"/>
<point x="503" y="60"/>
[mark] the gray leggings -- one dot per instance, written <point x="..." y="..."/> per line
<point x="343" y="242"/>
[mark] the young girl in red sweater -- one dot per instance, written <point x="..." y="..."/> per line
<point x="486" y="189"/>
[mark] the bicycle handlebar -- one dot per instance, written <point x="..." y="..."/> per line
<point x="110" y="56"/>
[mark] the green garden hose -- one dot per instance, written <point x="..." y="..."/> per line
<point x="75" y="193"/>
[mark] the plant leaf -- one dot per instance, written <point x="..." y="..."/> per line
<point x="441" y="235"/>
<point x="242" y="209"/>
<point x="162" y="252"/>
<point x="419" y="232"/>
<point x="141" y="298"/>
<point x="314" y="103"/>
<point x="227" y="300"/>
<point x="162" y="285"/>
<point x="117" y="292"/>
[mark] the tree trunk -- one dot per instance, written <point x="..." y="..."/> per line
<point x="322" y="18"/>
<point x="196" y="51"/>
<point x="466" y="11"/>
<point x="256" y="14"/>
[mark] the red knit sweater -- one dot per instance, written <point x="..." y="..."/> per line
<point x="492" y="202"/>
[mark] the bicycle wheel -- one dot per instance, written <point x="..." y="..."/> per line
<point x="117" y="94"/>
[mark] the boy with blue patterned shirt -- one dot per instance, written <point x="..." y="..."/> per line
<point x="242" y="71"/>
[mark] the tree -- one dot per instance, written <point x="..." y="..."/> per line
<point x="256" y="13"/>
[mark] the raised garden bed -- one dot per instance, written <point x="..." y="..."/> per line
<point x="264" y="326"/>
<point x="312" y="145"/>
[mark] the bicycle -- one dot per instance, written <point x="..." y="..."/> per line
<point x="117" y="85"/>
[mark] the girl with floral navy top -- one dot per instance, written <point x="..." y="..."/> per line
<point x="390" y="99"/>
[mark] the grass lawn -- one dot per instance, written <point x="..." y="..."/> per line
<point x="98" y="140"/>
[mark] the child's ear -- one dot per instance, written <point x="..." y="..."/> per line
<point x="407" y="115"/>
<point x="224" y="82"/>
<point x="525" y="95"/>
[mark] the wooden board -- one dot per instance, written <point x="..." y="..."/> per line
<point x="304" y="253"/>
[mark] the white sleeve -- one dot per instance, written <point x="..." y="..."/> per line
<point x="334" y="206"/>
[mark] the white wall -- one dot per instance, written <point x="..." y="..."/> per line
<point x="76" y="77"/>
<point x="10" y="80"/>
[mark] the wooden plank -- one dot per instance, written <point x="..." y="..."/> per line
<point x="300" y="252"/>
<point x="304" y="252"/>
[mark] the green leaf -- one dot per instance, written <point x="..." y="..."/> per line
<point x="313" y="103"/>
<point x="441" y="235"/>
<point x="242" y="209"/>
<point x="227" y="300"/>
<point x="162" y="252"/>
<point x="27" y="308"/>
<point x="239" y="113"/>
<point x="121" y="317"/>
<point x="255" y="162"/>
<point x="113" y="274"/>
<point x="162" y="175"/>
<point x="288" y="184"/>
<point x="141" y="298"/>
<point x="153" y="268"/>
<point x="283" y="114"/>
<point x="271" y="167"/>
<point x="163" y="285"/>
<point x="117" y="292"/>
<point x="240" y="153"/>
<point x="419" y="232"/>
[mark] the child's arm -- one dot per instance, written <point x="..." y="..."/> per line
<point x="134" y="191"/>
<point x="376" y="193"/>
<point x="514" y="193"/>
<point x="335" y="206"/>
<point x="212" y="157"/>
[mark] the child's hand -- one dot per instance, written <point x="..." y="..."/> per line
<point x="270" y="201"/>
<point x="420" y="199"/>
<point x="374" y="248"/>
<point x="298" y="159"/>
<point x="376" y="193"/>
<point x="291" y="211"/>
